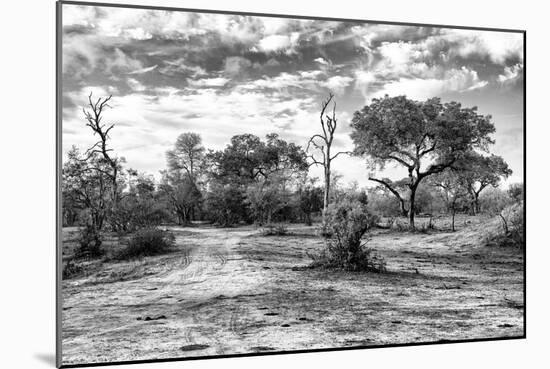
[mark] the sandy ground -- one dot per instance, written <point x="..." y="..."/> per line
<point x="229" y="291"/>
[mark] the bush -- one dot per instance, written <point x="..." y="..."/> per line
<point x="345" y="225"/>
<point x="89" y="243"/>
<point x="72" y="269"/>
<point x="275" y="230"/>
<point x="147" y="242"/>
<point x="513" y="228"/>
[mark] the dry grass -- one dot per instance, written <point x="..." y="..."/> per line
<point x="226" y="291"/>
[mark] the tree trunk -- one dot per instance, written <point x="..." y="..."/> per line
<point x="308" y="219"/>
<point x="327" y="190"/>
<point x="453" y="219"/>
<point x="412" y="208"/>
<point x="404" y="210"/>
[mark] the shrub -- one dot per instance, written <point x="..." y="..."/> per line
<point x="275" y="230"/>
<point x="147" y="242"/>
<point x="89" y="243"/>
<point x="72" y="269"/>
<point x="345" y="225"/>
<point x="513" y="228"/>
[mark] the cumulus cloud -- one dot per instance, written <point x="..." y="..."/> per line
<point x="276" y="42"/>
<point x="497" y="46"/>
<point x="453" y="80"/>
<point x="510" y="73"/>
<point x="337" y="84"/>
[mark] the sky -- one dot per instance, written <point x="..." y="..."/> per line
<point x="221" y="75"/>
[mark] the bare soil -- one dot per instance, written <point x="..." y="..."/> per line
<point x="232" y="290"/>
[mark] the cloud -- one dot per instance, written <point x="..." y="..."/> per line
<point x="144" y="70"/>
<point x="135" y="85"/>
<point x="337" y="84"/>
<point x="453" y="80"/>
<point x="510" y="73"/>
<point x="497" y="46"/>
<point x="321" y="61"/>
<point x="166" y="70"/>
<point x="277" y="42"/>
<point x="208" y="82"/>
<point x="236" y="64"/>
<point x="179" y="66"/>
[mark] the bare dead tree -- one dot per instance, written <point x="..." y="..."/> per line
<point x="93" y="115"/>
<point x="322" y="143"/>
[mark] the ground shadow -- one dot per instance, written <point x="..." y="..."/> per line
<point x="46" y="358"/>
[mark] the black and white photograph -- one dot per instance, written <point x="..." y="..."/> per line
<point x="242" y="184"/>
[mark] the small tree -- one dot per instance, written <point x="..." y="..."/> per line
<point x="478" y="172"/>
<point x="265" y="199"/>
<point x="453" y="189"/>
<point x="186" y="162"/>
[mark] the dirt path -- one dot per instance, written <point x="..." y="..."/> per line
<point x="228" y="291"/>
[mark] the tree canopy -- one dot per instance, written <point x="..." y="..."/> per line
<point x="425" y="137"/>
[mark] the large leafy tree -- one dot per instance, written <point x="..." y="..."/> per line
<point x="248" y="159"/>
<point x="424" y="137"/>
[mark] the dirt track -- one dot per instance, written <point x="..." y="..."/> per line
<point x="228" y="291"/>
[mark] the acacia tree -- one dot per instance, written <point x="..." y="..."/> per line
<point x="248" y="159"/>
<point x="322" y="143"/>
<point x="479" y="171"/>
<point x="424" y="137"/>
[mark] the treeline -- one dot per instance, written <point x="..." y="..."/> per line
<point x="265" y="180"/>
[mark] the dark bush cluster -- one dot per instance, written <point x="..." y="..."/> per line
<point x="72" y="269"/>
<point x="147" y="242"/>
<point x="345" y="225"/>
<point x="89" y="243"/>
<point x="275" y="230"/>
